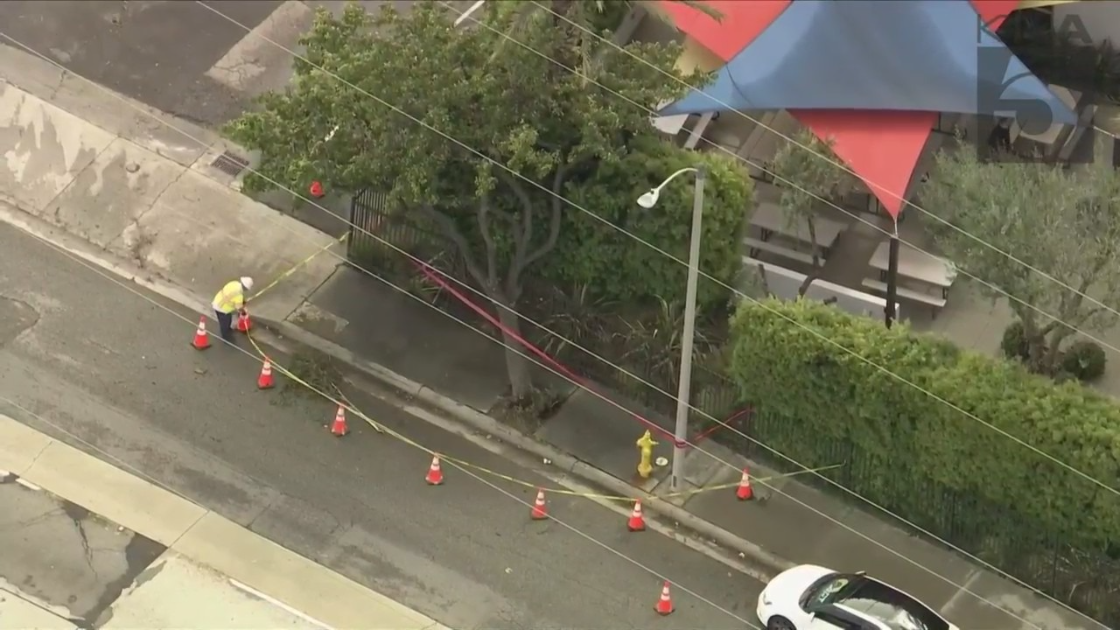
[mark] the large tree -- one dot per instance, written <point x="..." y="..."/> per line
<point x="1065" y="224"/>
<point x="514" y="110"/>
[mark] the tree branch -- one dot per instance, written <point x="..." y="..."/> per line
<point x="452" y="232"/>
<point x="557" y="214"/>
<point x="808" y="281"/>
<point x="488" y="238"/>
<point x="522" y="234"/>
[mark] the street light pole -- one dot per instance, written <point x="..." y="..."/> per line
<point x="684" y="385"/>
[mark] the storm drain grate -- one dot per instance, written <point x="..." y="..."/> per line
<point x="230" y="164"/>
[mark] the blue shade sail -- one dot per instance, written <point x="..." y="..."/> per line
<point x="899" y="55"/>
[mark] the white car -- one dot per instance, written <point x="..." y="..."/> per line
<point x="809" y="597"/>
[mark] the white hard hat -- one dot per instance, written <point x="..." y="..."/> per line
<point x="247" y="282"/>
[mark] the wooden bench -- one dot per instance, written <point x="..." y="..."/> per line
<point x="935" y="301"/>
<point x="755" y="245"/>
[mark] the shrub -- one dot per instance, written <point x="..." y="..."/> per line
<point x="930" y="456"/>
<point x="1014" y="343"/>
<point x="1084" y="360"/>
<point x="615" y="266"/>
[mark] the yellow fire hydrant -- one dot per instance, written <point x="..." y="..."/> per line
<point x="645" y="450"/>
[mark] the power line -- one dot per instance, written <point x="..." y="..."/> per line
<point x="1084" y="475"/>
<point x="795" y="186"/>
<point x="612" y="402"/>
<point x="837" y="164"/>
<point x="332" y="399"/>
<point x="621" y="230"/>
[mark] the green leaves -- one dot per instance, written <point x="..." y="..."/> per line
<point x="620" y="268"/>
<point x="368" y="77"/>
<point x="463" y="130"/>
<point x="790" y="360"/>
<point x="1064" y="224"/>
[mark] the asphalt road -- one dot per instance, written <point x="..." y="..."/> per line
<point x="155" y="52"/>
<point x="105" y="366"/>
<point x="163" y="53"/>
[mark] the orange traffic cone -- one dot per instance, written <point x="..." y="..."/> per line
<point x="637" y="522"/>
<point x="264" y="381"/>
<point x="243" y="323"/>
<point x="744" y="492"/>
<point x="665" y="604"/>
<point x="316" y="189"/>
<point x="338" y="427"/>
<point x="540" y="510"/>
<point x="201" y="339"/>
<point x="435" y="475"/>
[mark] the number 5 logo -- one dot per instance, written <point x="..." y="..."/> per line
<point x="996" y="80"/>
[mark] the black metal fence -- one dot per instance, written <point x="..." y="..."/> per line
<point x="373" y="224"/>
<point x="1085" y="579"/>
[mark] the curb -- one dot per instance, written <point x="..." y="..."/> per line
<point x="173" y="291"/>
<point x="482" y="422"/>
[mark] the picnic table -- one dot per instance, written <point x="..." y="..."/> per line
<point x="770" y="220"/>
<point x="916" y="265"/>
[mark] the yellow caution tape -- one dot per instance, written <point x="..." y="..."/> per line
<point x="301" y="263"/>
<point x="341" y="400"/>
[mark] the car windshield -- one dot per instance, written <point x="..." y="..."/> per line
<point x="832" y="589"/>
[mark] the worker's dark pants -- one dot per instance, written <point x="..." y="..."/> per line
<point x="225" y="325"/>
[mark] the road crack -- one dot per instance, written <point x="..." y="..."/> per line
<point x="78" y="515"/>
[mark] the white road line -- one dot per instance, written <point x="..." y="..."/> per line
<point x="466" y="14"/>
<point x="964" y="589"/>
<point x="279" y="604"/>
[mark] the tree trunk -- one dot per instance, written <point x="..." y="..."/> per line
<point x="1053" y="351"/>
<point x="1037" y="353"/>
<point x="818" y="268"/>
<point x="517" y="364"/>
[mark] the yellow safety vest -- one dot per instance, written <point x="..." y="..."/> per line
<point x="231" y="298"/>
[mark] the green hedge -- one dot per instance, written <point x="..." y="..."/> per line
<point x="909" y="449"/>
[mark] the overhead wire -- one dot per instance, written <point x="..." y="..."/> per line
<point x="723" y="284"/>
<point x="815" y="333"/>
<point x="794" y="185"/>
<point x="637" y="238"/>
<point x="835" y="163"/>
<point x="612" y="402"/>
<point x="337" y="401"/>
<point x="463" y="323"/>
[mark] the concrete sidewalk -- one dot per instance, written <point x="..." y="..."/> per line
<point x="200" y="535"/>
<point x="100" y="169"/>
<point x="379" y="331"/>
<point x="156" y="199"/>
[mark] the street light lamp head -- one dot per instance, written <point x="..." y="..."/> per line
<point x="649" y="199"/>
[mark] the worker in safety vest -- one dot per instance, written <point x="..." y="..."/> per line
<point x="230" y="300"/>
